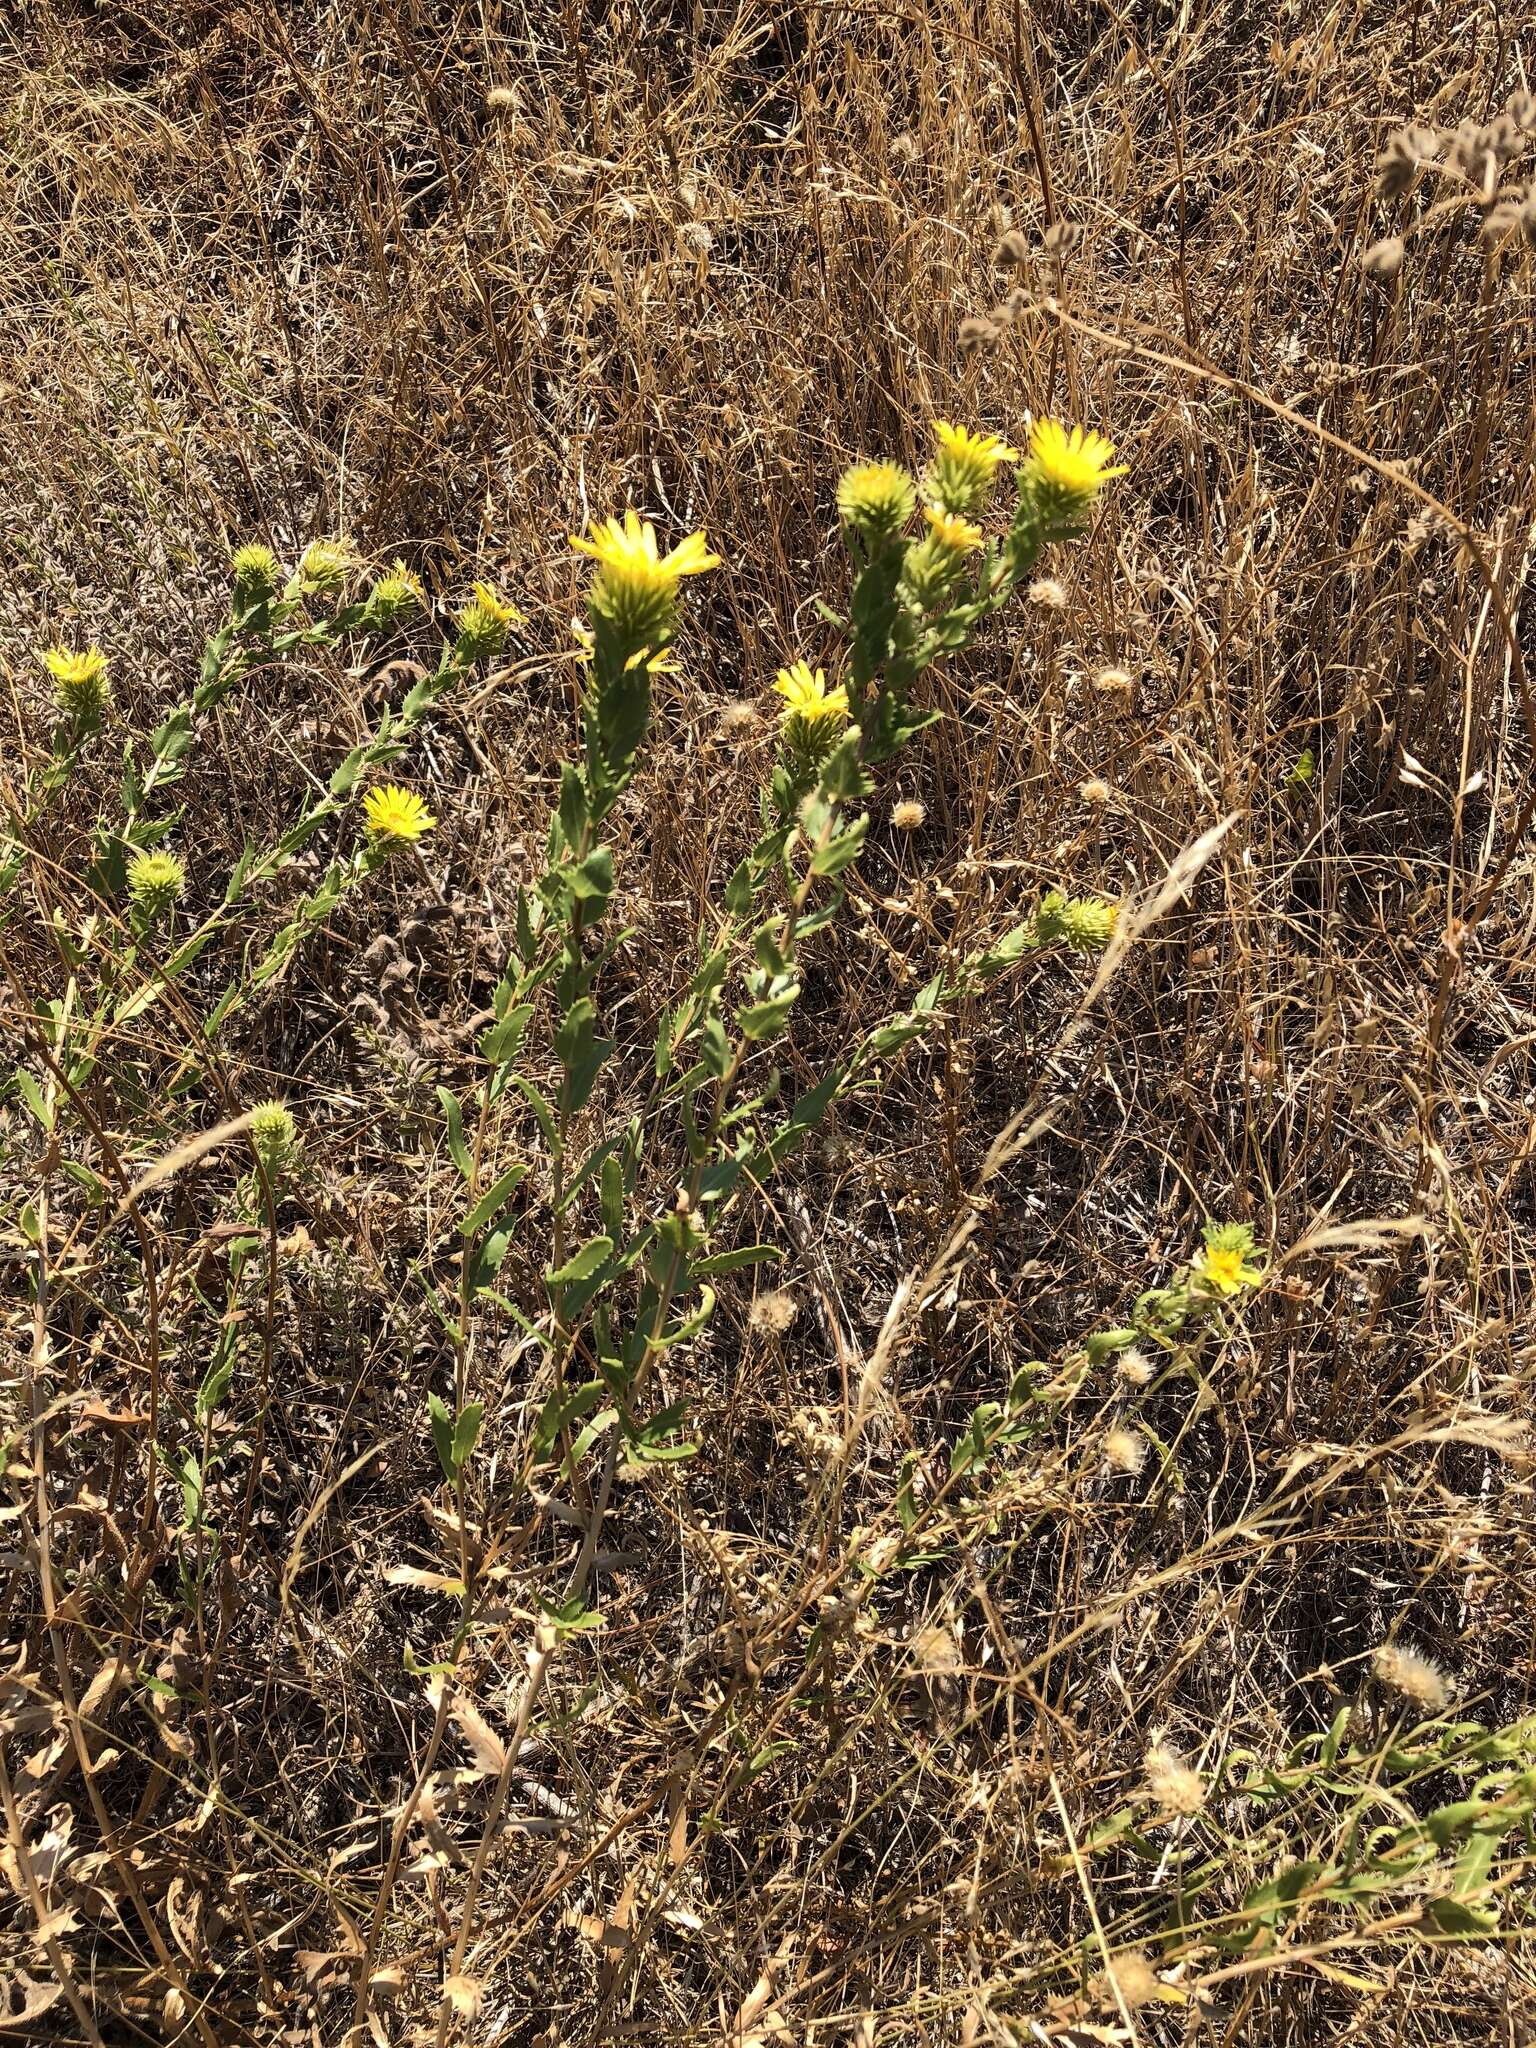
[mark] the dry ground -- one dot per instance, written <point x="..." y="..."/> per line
<point x="455" y="279"/>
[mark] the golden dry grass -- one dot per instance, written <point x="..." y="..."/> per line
<point x="456" y="279"/>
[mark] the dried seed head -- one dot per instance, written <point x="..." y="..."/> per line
<point x="1135" y="1368"/>
<point x="976" y="330"/>
<point x="1128" y="1980"/>
<point x="1114" y="682"/>
<point x="1061" y="237"/>
<point x="908" y="815"/>
<point x="772" y="1313"/>
<point x="1398" y="164"/>
<point x="739" y="716"/>
<point x="1384" y="259"/>
<point x="1125" y="1450"/>
<point x="1521" y="109"/>
<point x="1417" y="1677"/>
<point x="1050" y="595"/>
<point x="1012" y="250"/>
<point x="1095" y="791"/>
<point x="501" y="99"/>
<point x="466" y="1995"/>
<point x="695" y="236"/>
<point x="1176" y="1786"/>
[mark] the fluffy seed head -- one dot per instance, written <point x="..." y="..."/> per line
<point x="1135" y="1368"/>
<point x="1095" y="791"/>
<point x="1125" y="1450"/>
<point x="1417" y="1677"/>
<point x="876" y="499"/>
<point x="1177" y="1788"/>
<point x="155" y="881"/>
<point x="772" y="1313"/>
<point x="80" y="686"/>
<point x="1128" y="1980"/>
<point x="1046" y="592"/>
<point x="1384" y="259"/>
<point x="395" y="815"/>
<point x="1114" y="682"/>
<point x="908" y="815"/>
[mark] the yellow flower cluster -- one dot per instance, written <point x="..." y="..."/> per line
<point x="807" y="697"/>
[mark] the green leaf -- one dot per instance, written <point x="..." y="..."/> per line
<point x="442" y="1432"/>
<point x="582" y="1264"/>
<point x="738" y="891"/>
<point x="840" y="850"/>
<point x="612" y="1197"/>
<point x="466" y="1434"/>
<point x="36" y="1101"/>
<point x="215" y="1386"/>
<point x="493" y="1201"/>
<point x="744" y="1255"/>
<point x="454" y="1119"/>
<point x="504" y="1038"/>
<point x="561" y="1410"/>
<point x="766" y="1020"/>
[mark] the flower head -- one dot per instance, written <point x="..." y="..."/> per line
<point x="1069" y="466"/>
<point x="876" y="499"/>
<point x="1225" y="1265"/>
<point x="1088" y="923"/>
<point x="959" y="536"/>
<point x="965" y="467"/>
<point x="635" y="588"/>
<point x="485" y="622"/>
<point x="80" y="686"/>
<point x="155" y="881"/>
<point x="274" y="1135"/>
<point x="814" y="716"/>
<point x="908" y="814"/>
<point x="395" y="594"/>
<point x="256" y="573"/>
<point x="393" y="813"/>
<point x="325" y="565"/>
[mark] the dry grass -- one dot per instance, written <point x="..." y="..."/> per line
<point x="279" y="271"/>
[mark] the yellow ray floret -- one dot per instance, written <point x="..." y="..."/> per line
<point x="959" y="535"/>
<point x="1074" y="460"/>
<point x="982" y="452"/>
<point x="627" y="552"/>
<point x="395" y="813"/>
<point x="807" y="697"/>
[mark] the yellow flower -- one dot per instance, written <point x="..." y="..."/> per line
<point x="395" y="813"/>
<point x="256" y="572"/>
<point x="876" y="498"/>
<point x="1073" y="462"/>
<point x="635" y="588"/>
<point x="1222" y="1268"/>
<point x="395" y="594"/>
<point x="807" y="697"/>
<point x="485" y="622"/>
<point x="965" y="467"/>
<point x="959" y="535"/>
<point x="1224" y="1265"/>
<point x="155" y="881"/>
<point x="80" y="686"/>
